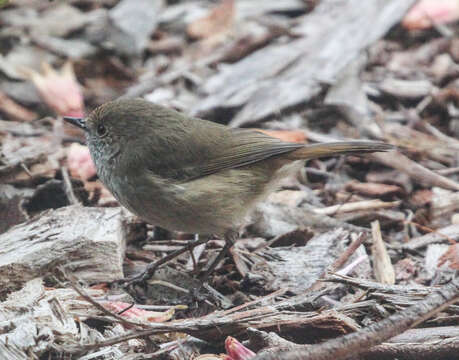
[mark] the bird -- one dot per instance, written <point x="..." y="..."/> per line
<point x="192" y="175"/>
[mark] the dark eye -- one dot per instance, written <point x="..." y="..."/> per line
<point x="101" y="130"/>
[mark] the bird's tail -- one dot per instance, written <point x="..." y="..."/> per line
<point x="338" y="148"/>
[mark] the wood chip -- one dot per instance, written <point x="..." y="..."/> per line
<point x="286" y="268"/>
<point x="416" y="171"/>
<point x="88" y="241"/>
<point x="217" y="21"/>
<point x="382" y="266"/>
<point x="283" y="75"/>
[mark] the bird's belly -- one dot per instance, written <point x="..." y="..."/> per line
<point x="178" y="207"/>
<point x="209" y="205"/>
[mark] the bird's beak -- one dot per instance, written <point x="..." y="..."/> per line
<point x="80" y="122"/>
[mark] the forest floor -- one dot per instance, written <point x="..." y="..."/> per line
<point x="348" y="242"/>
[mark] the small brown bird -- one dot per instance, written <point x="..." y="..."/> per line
<point x="188" y="174"/>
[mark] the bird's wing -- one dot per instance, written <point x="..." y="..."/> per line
<point x="204" y="148"/>
<point x="243" y="147"/>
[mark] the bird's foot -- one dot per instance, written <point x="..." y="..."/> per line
<point x="230" y="237"/>
<point x="139" y="278"/>
<point x="153" y="266"/>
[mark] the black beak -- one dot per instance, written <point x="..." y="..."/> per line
<point x="80" y="122"/>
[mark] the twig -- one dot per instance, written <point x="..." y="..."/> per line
<point x="450" y="141"/>
<point x="168" y="284"/>
<point x="162" y="307"/>
<point x="323" y="173"/>
<point x="348" y="252"/>
<point x="400" y="162"/>
<point x="448" y="171"/>
<point x="160" y="352"/>
<point x="347" y="269"/>
<point x="126" y="308"/>
<point x="73" y="283"/>
<point x="276" y="293"/>
<point x="375" y="286"/>
<point x="26" y="169"/>
<point x="195" y="255"/>
<point x="215" y="326"/>
<point x="356" y="343"/>
<point x="430" y="230"/>
<point x="151" y="268"/>
<point x="340" y="261"/>
<point x="449" y="233"/>
<point x="356" y="206"/>
<point x="68" y="187"/>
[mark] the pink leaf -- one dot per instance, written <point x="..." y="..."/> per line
<point x="134" y="313"/>
<point x="236" y="350"/>
<point x="58" y="89"/>
<point x="79" y="162"/>
<point x="426" y="13"/>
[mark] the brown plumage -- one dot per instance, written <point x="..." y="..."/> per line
<point x="189" y="174"/>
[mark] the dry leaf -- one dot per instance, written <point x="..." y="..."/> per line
<point x="452" y="256"/>
<point x="134" y="313"/>
<point x="79" y="162"/>
<point x="286" y="135"/>
<point x="58" y="89"/>
<point x="219" y="19"/>
<point x="236" y="350"/>
<point x="426" y="13"/>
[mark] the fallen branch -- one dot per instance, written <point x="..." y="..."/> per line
<point x="443" y="349"/>
<point x="216" y="326"/>
<point x="356" y="343"/>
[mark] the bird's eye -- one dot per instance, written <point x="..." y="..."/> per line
<point x="101" y="130"/>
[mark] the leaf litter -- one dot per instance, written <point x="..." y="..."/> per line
<point x="346" y="255"/>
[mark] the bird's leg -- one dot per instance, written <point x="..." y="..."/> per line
<point x="230" y="238"/>
<point x="193" y="258"/>
<point x="151" y="267"/>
